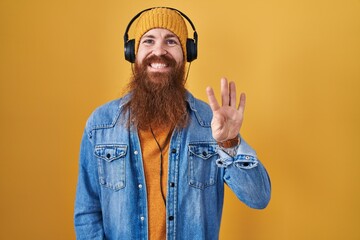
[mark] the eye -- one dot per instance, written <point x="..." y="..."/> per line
<point x="148" y="41"/>
<point x="171" y="42"/>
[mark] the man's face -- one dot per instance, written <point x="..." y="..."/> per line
<point x="155" y="47"/>
<point x="158" y="91"/>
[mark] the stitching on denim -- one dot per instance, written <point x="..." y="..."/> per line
<point x="242" y="157"/>
<point x="240" y="161"/>
<point x="195" y="153"/>
<point x="246" y="162"/>
<point x="223" y="163"/>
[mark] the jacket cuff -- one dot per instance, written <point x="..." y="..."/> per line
<point x="245" y="157"/>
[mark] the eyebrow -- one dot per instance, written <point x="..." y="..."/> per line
<point x="167" y="36"/>
<point x="170" y="36"/>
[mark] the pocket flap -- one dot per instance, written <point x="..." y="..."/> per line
<point x="110" y="152"/>
<point x="202" y="150"/>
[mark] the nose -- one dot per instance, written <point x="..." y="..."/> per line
<point x="159" y="49"/>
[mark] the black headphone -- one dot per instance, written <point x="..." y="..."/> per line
<point x="129" y="45"/>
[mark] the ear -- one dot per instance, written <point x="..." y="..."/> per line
<point x="129" y="50"/>
<point x="191" y="50"/>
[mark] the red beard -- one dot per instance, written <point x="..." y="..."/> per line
<point x="158" y="99"/>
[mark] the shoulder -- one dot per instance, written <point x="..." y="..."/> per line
<point x="201" y="110"/>
<point x="106" y="115"/>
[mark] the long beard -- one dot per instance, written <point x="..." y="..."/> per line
<point x="158" y="99"/>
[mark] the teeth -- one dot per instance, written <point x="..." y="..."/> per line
<point x="158" y="65"/>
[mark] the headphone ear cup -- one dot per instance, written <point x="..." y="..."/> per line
<point x="191" y="50"/>
<point x="129" y="50"/>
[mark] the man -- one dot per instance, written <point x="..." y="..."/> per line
<point x="153" y="163"/>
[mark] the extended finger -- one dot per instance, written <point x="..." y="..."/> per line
<point x="241" y="107"/>
<point x="224" y="92"/>
<point x="232" y="94"/>
<point x="214" y="105"/>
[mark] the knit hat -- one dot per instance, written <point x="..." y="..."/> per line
<point x="161" y="17"/>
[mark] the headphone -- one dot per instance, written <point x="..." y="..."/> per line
<point x="191" y="43"/>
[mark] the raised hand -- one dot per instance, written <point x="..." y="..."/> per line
<point x="227" y="118"/>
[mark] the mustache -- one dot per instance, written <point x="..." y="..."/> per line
<point x="165" y="59"/>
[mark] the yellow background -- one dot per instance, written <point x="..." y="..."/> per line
<point x="298" y="61"/>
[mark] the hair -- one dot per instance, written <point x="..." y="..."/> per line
<point x="157" y="99"/>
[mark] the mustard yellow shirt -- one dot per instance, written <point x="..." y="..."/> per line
<point x="152" y="161"/>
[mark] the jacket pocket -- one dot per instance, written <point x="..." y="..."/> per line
<point x="202" y="169"/>
<point x="111" y="165"/>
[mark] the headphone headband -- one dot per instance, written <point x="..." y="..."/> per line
<point x="129" y="45"/>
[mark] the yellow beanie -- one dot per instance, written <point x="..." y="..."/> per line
<point x="161" y="17"/>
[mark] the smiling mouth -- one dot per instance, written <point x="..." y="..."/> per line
<point x="158" y="65"/>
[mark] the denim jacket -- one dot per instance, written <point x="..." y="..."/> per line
<point x="111" y="199"/>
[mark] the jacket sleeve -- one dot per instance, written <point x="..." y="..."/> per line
<point x="88" y="215"/>
<point x="246" y="176"/>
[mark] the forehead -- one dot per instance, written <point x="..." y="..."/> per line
<point x="159" y="32"/>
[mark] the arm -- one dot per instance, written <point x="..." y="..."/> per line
<point x="244" y="173"/>
<point x="246" y="176"/>
<point x="88" y="216"/>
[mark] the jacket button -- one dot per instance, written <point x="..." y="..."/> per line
<point x="173" y="150"/>
<point x="171" y="218"/>
<point x="108" y="155"/>
<point x="172" y="184"/>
